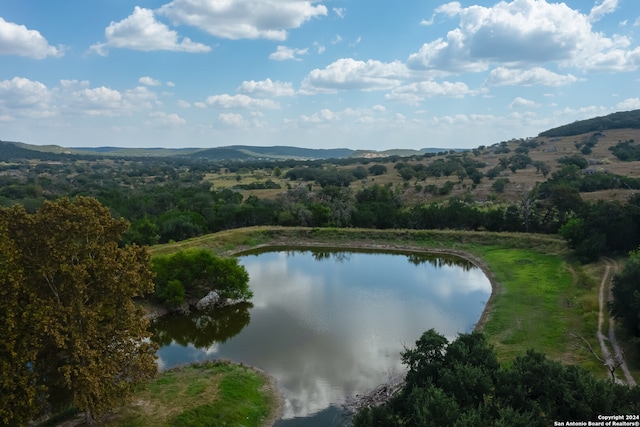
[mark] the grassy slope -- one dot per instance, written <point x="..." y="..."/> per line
<point x="210" y="394"/>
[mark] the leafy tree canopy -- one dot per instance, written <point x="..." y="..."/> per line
<point x="192" y="273"/>
<point x="71" y="331"/>
<point x="462" y="384"/>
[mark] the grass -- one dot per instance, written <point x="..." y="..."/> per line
<point x="211" y="394"/>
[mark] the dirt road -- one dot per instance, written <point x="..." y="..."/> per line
<point x="611" y="352"/>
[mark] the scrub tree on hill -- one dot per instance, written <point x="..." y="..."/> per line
<point x="71" y="333"/>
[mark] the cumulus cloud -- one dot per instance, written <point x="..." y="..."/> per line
<point x="351" y="74"/>
<point x="148" y="81"/>
<point x="20" y="93"/>
<point x="166" y="120"/>
<point x="267" y="88"/>
<point x="19" y="40"/>
<point x="525" y="32"/>
<point x="105" y="101"/>
<point x="243" y="19"/>
<point x="628" y="104"/>
<point x="240" y="101"/>
<point x="283" y="53"/>
<point x="536" y="76"/>
<point x="520" y="102"/>
<point x="414" y="93"/>
<point x="142" y="31"/>
<point x="233" y="119"/>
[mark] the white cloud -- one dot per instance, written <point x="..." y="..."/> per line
<point x="414" y="93"/>
<point x="19" y="40"/>
<point x="105" y="101"/>
<point x="604" y="8"/>
<point x="319" y="47"/>
<point x="536" y="76"/>
<point x="350" y="74"/>
<point x="637" y="22"/>
<point x="165" y="120"/>
<point x="283" y="53"/>
<point x="525" y="32"/>
<point x="340" y="11"/>
<point x="451" y="9"/>
<point x="267" y="88"/>
<point x="628" y="104"/>
<point x="148" y="81"/>
<point x="427" y="22"/>
<point x="519" y="102"/>
<point x="451" y="55"/>
<point x="243" y="19"/>
<point x="233" y="119"/>
<point x="141" y="31"/>
<point x="240" y="101"/>
<point x="183" y="104"/>
<point x="23" y="96"/>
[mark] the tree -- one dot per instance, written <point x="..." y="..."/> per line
<point x="70" y="320"/>
<point x="461" y="383"/>
<point x="626" y="294"/>
<point x="199" y="271"/>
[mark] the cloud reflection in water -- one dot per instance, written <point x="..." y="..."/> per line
<point x="327" y="327"/>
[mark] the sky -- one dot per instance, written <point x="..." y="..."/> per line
<point x="358" y="74"/>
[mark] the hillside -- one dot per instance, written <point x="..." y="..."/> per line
<point x="504" y="172"/>
<point x="619" y="120"/>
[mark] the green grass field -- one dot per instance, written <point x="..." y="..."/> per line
<point x="212" y="394"/>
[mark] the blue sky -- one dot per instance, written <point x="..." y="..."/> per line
<point x="320" y="74"/>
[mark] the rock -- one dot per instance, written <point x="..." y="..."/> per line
<point x="210" y="301"/>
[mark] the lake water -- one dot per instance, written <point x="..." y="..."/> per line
<point x="329" y="324"/>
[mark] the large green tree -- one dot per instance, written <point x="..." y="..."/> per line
<point x="71" y="331"/>
<point x="462" y="384"/>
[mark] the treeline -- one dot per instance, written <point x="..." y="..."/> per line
<point x="165" y="200"/>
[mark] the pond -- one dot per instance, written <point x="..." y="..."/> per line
<point x="328" y="325"/>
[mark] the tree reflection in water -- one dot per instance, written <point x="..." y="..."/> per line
<point x="202" y="329"/>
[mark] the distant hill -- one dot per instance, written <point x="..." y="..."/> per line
<point x="296" y="152"/>
<point x="219" y="154"/>
<point x="12" y="150"/>
<point x="620" y="120"/>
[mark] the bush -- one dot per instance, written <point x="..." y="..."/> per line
<point x="193" y="273"/>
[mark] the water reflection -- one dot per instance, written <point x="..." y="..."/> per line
<point x="202" y="329"/>
<point x="328" y="325"/>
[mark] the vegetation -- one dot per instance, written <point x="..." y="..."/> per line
<point x="626" y="295"/>
<point x="72" y="334"/>
<point x="542" y="185"/>
<point x="193" y="273"/>
<point x="627" y="151"/>
<point x="208" y="394"/>
<point x="626" y="119"/>
<point x="462" y="383"/>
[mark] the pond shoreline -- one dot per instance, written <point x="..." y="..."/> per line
<point x="154" y="312"/>
<point x="476" y="261"/>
